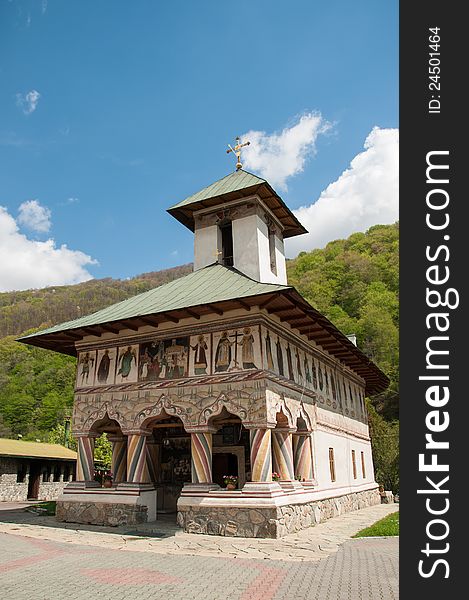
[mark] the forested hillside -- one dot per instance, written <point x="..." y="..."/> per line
<point x="354" y="282"/>
<point x="41" y="308"/>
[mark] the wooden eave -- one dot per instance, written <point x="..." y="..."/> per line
<point x="288" y="306"/>
<point x="292" y="227"/>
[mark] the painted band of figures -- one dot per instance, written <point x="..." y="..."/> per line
<point x="223" y="352"/>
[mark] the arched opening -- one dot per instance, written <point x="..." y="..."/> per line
<point x="230" y="450"/>
<point x="168" y="459"/>
<point x="109" y="462"/>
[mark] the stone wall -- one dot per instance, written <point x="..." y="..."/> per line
<point x="51" y="490"/>
<point x="101" y="513"/>
<point x="11" y="491"/>
<point x="270" y="522"/>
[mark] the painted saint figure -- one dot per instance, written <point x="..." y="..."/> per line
<point x="290" y="364"/>
<point x="247" y="344"/>
<point x="268" y="349"/>
<point x="200" y="358"/>
<point x="125" y="362"/>
<point x="175" y="357"/>
<point x="321" y="382"/>
<point x="103" y="369"/>
<point x="86" y="362"/>
<point x="298" y="364"/>
<point x="315" y="376"/>
<point x="306" y="367"/>
<point x="334" y="392"/>
<point x="279" y="357"/>
<point x="223" y="353"/>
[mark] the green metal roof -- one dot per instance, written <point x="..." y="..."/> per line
<point x="215" y="283"/>
<point x="234" y="187"/>
<point x="233" y="182"/>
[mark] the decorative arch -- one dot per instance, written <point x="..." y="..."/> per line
<point x="278" y="404"/>
<point x="105" y="410"/>
<point x="216" y="407"/>
<point x="164" y="405"/>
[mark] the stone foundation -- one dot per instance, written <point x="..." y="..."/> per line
<point x="270" y="521"/>
<point x="101" y="513"/>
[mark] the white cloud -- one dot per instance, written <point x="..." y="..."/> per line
<point x="366" y="194"/>
<point x="34" y="216"/>
<point x="28" y="102"/>
<point x="26" y="263"/>
<point x="278" y="156"/>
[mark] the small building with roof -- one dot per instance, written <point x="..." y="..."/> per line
<point x="227" y="371"/>
<point x="34" y="471"/>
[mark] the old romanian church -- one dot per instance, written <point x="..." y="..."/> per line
<point x="227" y="371"/>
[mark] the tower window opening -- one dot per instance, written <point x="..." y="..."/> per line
<point x="273" y="260"/>
<point x="227" y="243"/>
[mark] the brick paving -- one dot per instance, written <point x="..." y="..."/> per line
<point x="364" y="569"/>
<point x="322" y="563"/>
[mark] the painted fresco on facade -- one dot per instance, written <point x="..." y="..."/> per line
<point x="200" y="353"/>
<point x="106" y="366"/>
<point x="164" y="359"/>
<point x="86" y="368"/>
<point x="126" y="367"/>
<point x="236" y="349"/>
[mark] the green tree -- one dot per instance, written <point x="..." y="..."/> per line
<point x="103" y="451"/>
<point x="385" y="444"/>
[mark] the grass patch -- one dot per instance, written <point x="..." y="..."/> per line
<point x="46" y="506"/>
<point x="384" y="527"/>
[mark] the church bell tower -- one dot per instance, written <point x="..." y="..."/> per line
<point x="240" y="221"/>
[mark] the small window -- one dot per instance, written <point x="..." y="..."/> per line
<point x="21" y="474"/>
<point x="273" y="258"/>
<point x="354" y="465"/>
<point x="363" y="464"/>
<point x="332" y="463"/>
<point x="227" y="244"/>
<point x="57" y="473"/>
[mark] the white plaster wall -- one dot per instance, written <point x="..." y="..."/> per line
<point x="343" y="445"/>
<point x="266" y="275"/>
<point x="281" y="262"/>
<point x="245" y="246"/>
<point x="207" y="240"/>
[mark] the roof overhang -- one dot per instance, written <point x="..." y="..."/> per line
<point x="185" y="213"/>
<point x="288" y="305"/>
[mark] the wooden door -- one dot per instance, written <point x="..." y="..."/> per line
<point x="34" y="480"/>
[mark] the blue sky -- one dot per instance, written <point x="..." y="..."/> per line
<point x="110" y="112"/>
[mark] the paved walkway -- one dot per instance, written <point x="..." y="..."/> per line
<point x="165" y="538"/>
<point x="45" y="562"/>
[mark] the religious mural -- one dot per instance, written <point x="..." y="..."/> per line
<point x="106" y="366"/>
<point x="200" y="355"/>
<point x="126" y="367"/>
<point x="237" y="349"/>
<point x="164" y="359"/>
<point x="86" y="368"/>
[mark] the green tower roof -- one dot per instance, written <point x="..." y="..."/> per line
<point x="235" y="186"/>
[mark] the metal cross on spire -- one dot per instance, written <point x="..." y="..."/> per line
<point x="237" y="151"/>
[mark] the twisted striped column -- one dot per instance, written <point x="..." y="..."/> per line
<point x="261" y="454"/>
<point x="153" y="456"/>
<point x="85" y="459"/>
<point x="119" y="458"/>
<point x="137" y="469"/>
<point x="303" y="456"/>
<point x="201" y="457"/>
<point x="282" y="454"/>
